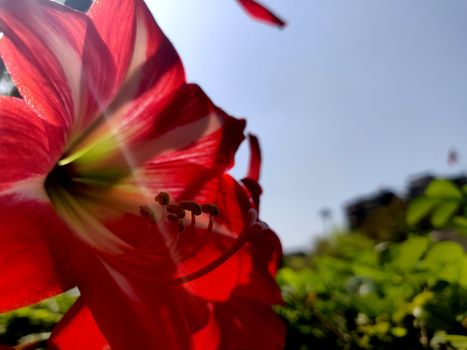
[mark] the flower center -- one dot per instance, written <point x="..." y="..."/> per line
<point x="59" y="177"/>
<point x="82" y="198"/>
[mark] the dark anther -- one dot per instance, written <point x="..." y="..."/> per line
<point x="175" y="209"/>
<point x="147" y="213"/>
<point x="162" y="198"/>
<point x="195" y="208"/>
<point x="210" y="209"/>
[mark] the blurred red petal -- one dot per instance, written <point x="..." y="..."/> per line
<point x="260" y="12"/>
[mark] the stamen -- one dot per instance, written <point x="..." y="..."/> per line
<point x="175" y="213"/>
<point x="210" y="209"/>
<point x="147" y="212"/>
<point x="253" y="228"/>
<point x="162" y="198"/>
<point x="176" y="210"/>
<point x="176" y="220"/>
<point x="251" y="232"/>
<point x="193" y="207"/>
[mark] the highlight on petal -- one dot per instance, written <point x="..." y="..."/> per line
<point x="57" y="60"/>
<point x="260" y="12"/>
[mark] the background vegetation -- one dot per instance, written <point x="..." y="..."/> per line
<point x="355" y="292"/>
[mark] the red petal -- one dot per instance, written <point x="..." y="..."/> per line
<point x="27" y="266"/>
<point x="251" y="270"/>
<point x="57" y="60"/>
<point x="241" y="324"/>
<point x="255" y="158"/>
<point x="77" y="330"/>
<point x="155" y="70"/>
<point x="186" y="127"/>
<point x="137" y="43"/>
<point x="120" y="39"/>
<point x="193" y="147"/>
<point x="251" y="182"/>
<point x="209" y="337"/>
<point x="134" y="313"/>
<point x="155" y="74"/>
<point x="29" y="146"/>
<point x="28" y="150"/>
<point x="260" y="12"/>
<point x="250" y="325"/>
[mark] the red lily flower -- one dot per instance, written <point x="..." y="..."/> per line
<point x="106" y="122"/>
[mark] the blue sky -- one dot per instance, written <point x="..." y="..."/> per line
<point x="351" y="97"/>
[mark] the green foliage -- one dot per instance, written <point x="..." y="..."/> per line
<point x="444" y="204"/>
<point x="31" y="326"/>
<point x="358" y="295"/>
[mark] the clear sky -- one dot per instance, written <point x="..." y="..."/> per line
<point x="352" y="96"/>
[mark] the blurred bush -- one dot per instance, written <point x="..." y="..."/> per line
<point x="357" y="293"/>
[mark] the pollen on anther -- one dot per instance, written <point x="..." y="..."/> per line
<point x="162" y="198"/>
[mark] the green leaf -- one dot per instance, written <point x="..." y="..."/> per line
<point x="420" y="208"/>
<point x="398" y="332"/>
<point x="443" y="212"/>
<point x="442" y="253"/>
<point x="459" y="342"/>
<point x="443" y="189"/>
<point x="463" y="272"/>
<point x="460" y="222"/>
<point x="405" y="255"/>
<point x="444" y="261"/>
